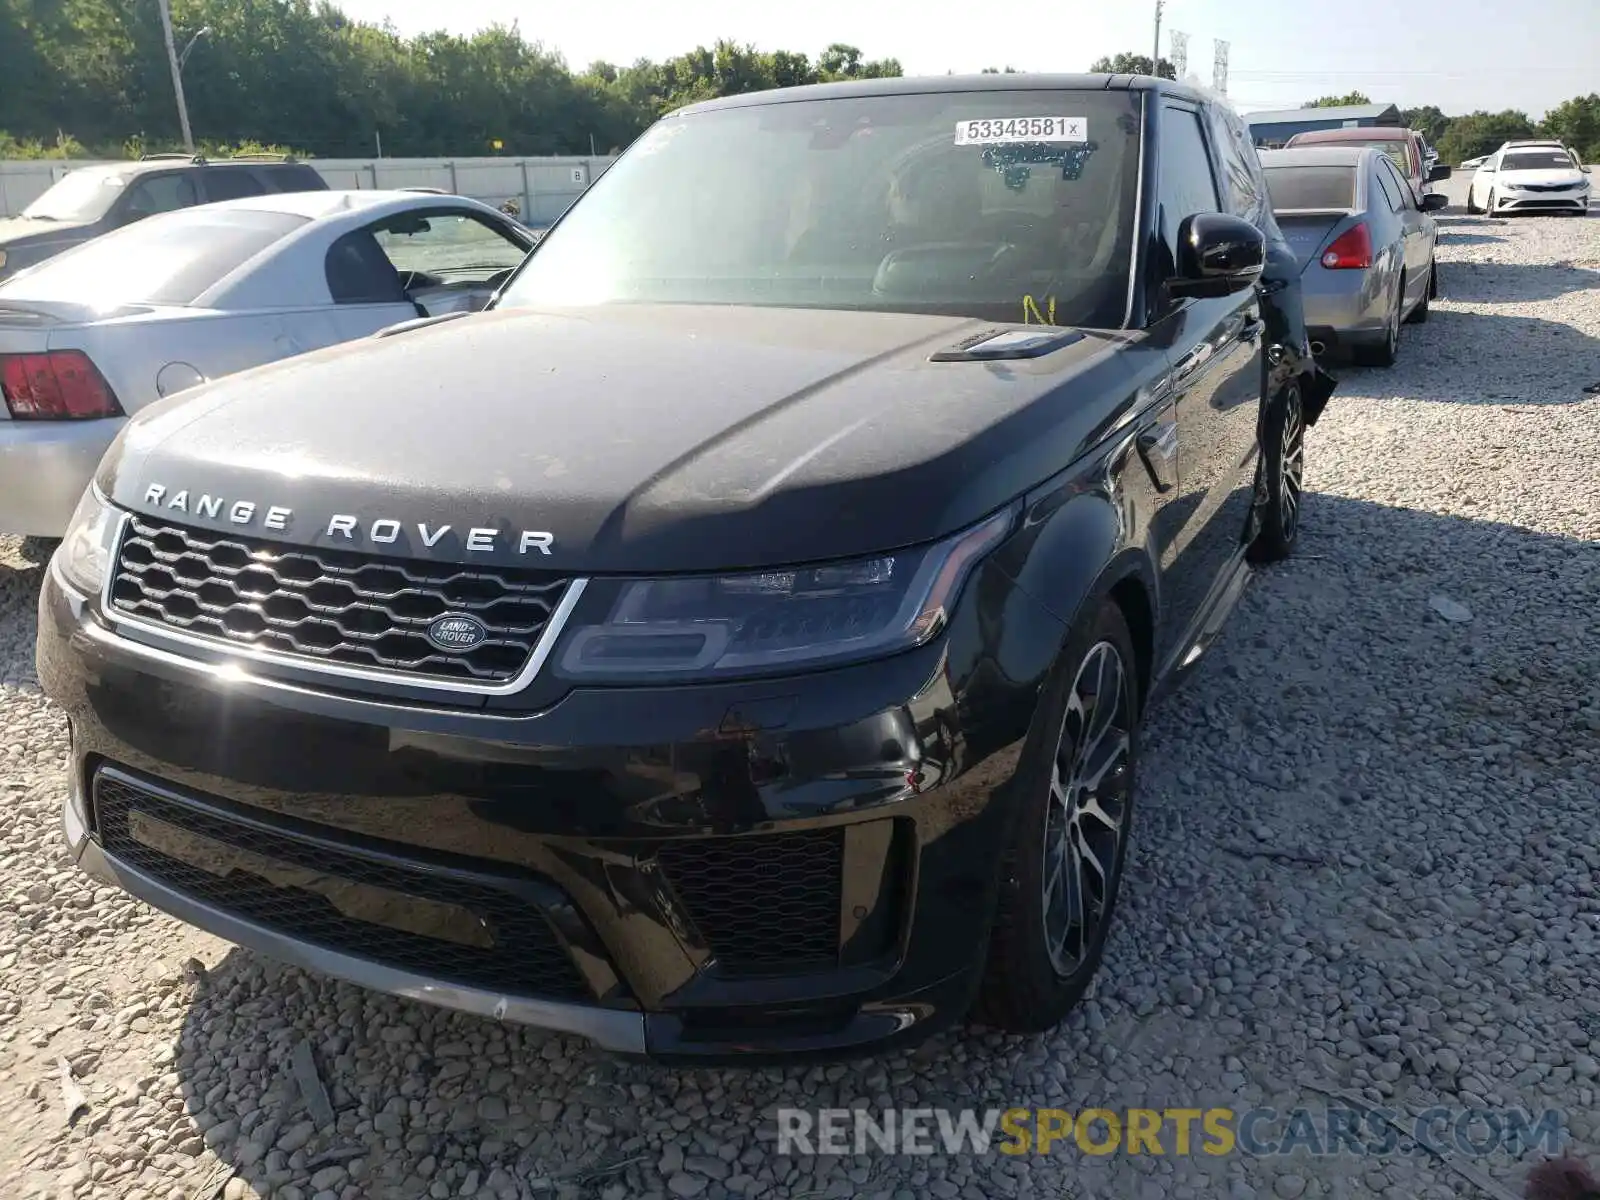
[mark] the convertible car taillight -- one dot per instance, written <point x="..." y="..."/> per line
<point x="61" y="385"/>
<point x="1351" y="250"/>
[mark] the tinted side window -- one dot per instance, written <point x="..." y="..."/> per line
<point x="159" y="194"/>
<point x="1385" y="173"/>
<point x="231" y="183"/>
<point x="360" y="273"/>
<point x="1397" y="183"/>
<point x="1408" y="195"/>
<point x="1187" y="185"/>
<point x="292" y="177"/>
<point x="1241" y="169"/>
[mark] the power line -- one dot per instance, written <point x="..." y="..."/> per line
<point x="1366" y="73"/>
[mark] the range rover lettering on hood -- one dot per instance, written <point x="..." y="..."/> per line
<point x="380" y="531"/>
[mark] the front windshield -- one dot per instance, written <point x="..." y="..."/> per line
<point x="1537" y="160"/>
<point x="1000" y="205"/>
<point x="79" y="196"/>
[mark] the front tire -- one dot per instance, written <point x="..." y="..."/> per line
<point x="1063" y="867"/>
<point x="1471" y="207"/>
<point x="1283" y="442"/>
<point x="1493" y="212"/>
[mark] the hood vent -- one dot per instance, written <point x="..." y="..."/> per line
<point x="999" y="344"/>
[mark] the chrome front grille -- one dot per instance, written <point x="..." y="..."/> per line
<point x="331" y="608"/>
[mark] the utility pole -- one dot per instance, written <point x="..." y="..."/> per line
<point x="177" y="75"/>
<point x="1155" y="55"/>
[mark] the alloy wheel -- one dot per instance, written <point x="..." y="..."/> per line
<point x="1086" y="818"/>
<point x="1292" y="462"/>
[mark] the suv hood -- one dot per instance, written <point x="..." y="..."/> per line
<point x="641" y="438"/>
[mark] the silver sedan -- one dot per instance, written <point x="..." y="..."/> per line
<point x="96" y="333"/>
<point x="1365" y="242"/>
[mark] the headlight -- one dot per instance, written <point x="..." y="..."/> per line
<point x="84" y="556"/>
<point x="709" y="627"/>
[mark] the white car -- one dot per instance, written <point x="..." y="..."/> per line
<point x="98" y="332"/>
<point x="1544" y="144"/>
<point x="1529" y="179"/>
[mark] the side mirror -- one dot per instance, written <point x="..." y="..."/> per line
<point x="1217" y="255"/>
<point x="1433" y="202"/>
<point x="1438" y="173"/>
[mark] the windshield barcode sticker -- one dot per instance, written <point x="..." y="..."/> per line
<point x="992" y="131"/>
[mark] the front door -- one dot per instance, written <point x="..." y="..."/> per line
<point x="1418" y="230"/>
<point x="1215" y="346"/>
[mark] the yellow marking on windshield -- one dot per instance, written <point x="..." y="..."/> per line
<point x="1031" y="314"/>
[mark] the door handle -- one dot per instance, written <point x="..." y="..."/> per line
<point x="1192" y="362"/>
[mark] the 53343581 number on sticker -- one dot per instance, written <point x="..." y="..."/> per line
<point x="989" y="131"/>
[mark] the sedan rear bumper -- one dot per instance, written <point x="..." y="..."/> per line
<point x="1344" y="309"/>
<point x="45" y="466"/>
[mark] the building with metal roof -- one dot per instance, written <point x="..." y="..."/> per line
<point x="1276" y="128"/>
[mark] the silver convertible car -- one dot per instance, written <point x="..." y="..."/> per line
<point x="1365" y="243"/>
<point x="94" y="334"/>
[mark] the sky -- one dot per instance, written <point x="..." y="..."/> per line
<point x="1460" y="55"/>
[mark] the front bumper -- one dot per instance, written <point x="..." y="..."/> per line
<point x="45" y="465"/>
<point x="732" y="872"/>
<point x="1535" y="202"/>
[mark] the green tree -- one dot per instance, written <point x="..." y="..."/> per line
<point x="1428" y="119"/>
<point x="1128" y="63"/>
<point x="1351" y="100"/>
<point x="840" y="61"/>
<point x="1576" y="123"/>
<point x="1481" y="133"/>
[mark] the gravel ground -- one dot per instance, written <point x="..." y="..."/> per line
<point x="1366" y="861"/>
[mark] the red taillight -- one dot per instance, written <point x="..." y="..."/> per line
<point x="62" y="385"/>
<point x="1352" y="249"/>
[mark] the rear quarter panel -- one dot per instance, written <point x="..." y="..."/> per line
<point x="131" y="352"/>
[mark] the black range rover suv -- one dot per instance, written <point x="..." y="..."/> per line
<point x="733" y="642"/>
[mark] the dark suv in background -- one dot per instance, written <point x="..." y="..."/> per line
<point x="90" y="201"/>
